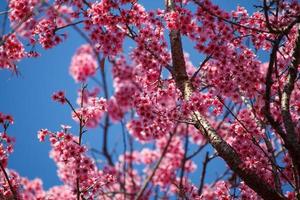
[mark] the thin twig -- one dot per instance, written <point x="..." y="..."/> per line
<point x="196" y="152"/>
<point x="81" y="126"/>
<point x="124" y="153"/>
<point x="205" y="162"/>
<point x="200" y="67"/>
<point x="15" y="196"/>
<point x="5" y="12"/>
<point x="14" y="29"/>
<point x="68" y="25"/>
<point x="220" y="177"/>
<point x="5" y="17"/>
<point x="186" y="144"/>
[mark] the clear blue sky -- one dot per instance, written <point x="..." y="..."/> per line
<point x="27" y="98"/>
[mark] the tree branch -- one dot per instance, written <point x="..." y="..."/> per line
<point x="224" y="150"/>
<point x="15" y="196"/>
<point x="205" y="162"/>
<point x="291" y="135"/>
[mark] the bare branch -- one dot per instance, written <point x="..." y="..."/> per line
<point x="186" y="144"/>
<point x="205" y="162"/>
<point x="200" y="67"/>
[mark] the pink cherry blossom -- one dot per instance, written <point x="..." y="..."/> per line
<point x="83" y="64"/>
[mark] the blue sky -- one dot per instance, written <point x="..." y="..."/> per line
<point x="28" y="98"/>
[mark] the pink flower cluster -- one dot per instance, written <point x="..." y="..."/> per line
<point x="21" y="9"/>
<point x="45" y="29"/>
<point x="73" y="164"/>
<point x="203" y="103"/>
<point x="108" y="38"/>
<point x="126" y="86"/>
<point x="5" y="190"/>
<point x="91" y="112"/>
<point x="153" y="123"/>
<point x="220" y="190"/>
<point x="171" y="162"/>
<point x="6" y="141"/>
<point x="59" y="97"/>
<point x="180" y="19"/>
<point x="6" y="147"/>
<point x="83" y="64"/>
<point x="11" y="51"/>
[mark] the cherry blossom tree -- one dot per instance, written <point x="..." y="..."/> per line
<point x="246" y="110"/>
